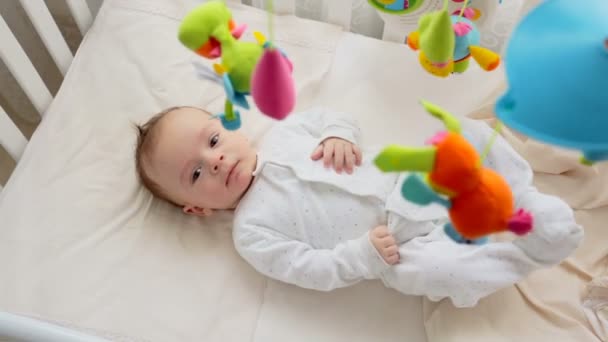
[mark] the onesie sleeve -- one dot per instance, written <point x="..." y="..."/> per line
<point x="323" y="123"/>
<point x="295" y="262"/>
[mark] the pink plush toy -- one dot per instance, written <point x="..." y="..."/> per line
<point x="273" y="88"/>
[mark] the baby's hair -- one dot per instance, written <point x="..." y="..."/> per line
<point x="146" y="139"/>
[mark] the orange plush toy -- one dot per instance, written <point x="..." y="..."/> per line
<point x="479" y="200"/>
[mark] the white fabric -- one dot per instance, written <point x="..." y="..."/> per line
<point x="306" y="225"/>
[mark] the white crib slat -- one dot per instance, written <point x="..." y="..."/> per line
<point x="339" y="12"/>
<point x="394" y="31"/>
<point x="22" y="69"/>
<point x="11" y="137"/>
<point x="259" y="3"/>
<point x="285" y="6"/>
<point x="280" y="6"/>
<point x="49" y="32"/>
<point x="82" y="14"/>
<point x="22" y="328"/>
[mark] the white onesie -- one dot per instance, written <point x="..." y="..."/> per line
<point x="306" y="225"/>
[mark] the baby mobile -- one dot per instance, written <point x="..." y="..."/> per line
<point x="450" y="172"/>
<point x="540" y="102"/>
<point x="557" y="72"/>
<point x="479" y="201"/>
<point x="409" y="6"/>
<point x="259" y="69"/>
<point x="447" y="42"/>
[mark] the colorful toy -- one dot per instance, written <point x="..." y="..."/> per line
<point x="396" y="6"/>
<point x="447" y="43"/>
<point x="470" y="13"/>
<point x="557" y="73"/>
<point x="479" y="200"/>
<point x="245" y="68"/>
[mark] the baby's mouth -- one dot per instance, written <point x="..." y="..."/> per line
<point x="230" y="173"/>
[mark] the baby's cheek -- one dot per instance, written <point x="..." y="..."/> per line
<point x="242" y="179"/>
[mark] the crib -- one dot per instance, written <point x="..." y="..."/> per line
<point x="76" y="282"/>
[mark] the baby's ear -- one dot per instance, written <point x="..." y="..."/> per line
<point x="196" y="211"/>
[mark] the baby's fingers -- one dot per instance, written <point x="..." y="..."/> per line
<point x="339" y="157"/>
<point x="392" y="259"/>
<point x="328" y="153"/>
<point x="349" y="159"/>
<point x="392" y="250"/>
<point x="317" y="153"/>
<point x="358" y="155"/>
<point x="388" y="241"/>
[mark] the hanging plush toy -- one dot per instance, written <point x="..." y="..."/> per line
<point x="447" y="43"/>
<point x="478" y="199"/>
<point x="259" y="69"/>
<point x="557" y="73"/>
<point x="395" y="6"/>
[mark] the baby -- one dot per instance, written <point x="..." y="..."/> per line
<point x="311" y="209"/>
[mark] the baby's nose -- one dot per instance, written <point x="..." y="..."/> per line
<point x="217" y="164"/>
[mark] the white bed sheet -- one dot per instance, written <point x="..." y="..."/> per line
<point x="80" y="241"/>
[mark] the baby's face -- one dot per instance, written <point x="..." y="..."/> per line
<point x="199" y="163"/>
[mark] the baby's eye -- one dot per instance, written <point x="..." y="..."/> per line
<point x="196" y="174"/>
<point x="214" y="140"/>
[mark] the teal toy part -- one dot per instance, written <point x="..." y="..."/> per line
<point x="233" y="96"/>
<point x="396" y="6"/>
<point x="473" y="37"/>
<point x="557" y="73"/>
<point x="453" y="234"/>
<point x="230" y="123"/>
<point x="415" y="190"/>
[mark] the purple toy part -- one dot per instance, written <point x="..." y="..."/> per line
<point x="520" y="223"/>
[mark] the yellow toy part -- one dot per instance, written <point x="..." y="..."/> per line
<point x="413" y="40"/>
<point x="488" y="60"/>
<point x="437" y="70"/>
<point x="219" y="69"/>
<point x="259" y="37"/>
<point x="386" y="2"/>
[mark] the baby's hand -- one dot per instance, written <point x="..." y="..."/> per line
<point x="339" y="152"/>
<point x="385" y="244"/>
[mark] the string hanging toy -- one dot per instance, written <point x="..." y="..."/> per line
<point x="447" y="43"/>
<point x="259" y="69"/>
<point x="557" y="74"/>
<point x="451" y="173"/>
